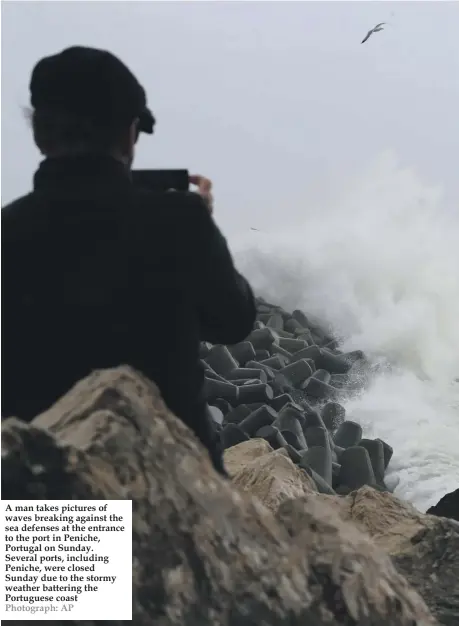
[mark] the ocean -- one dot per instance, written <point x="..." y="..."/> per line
<point x="380" y="266"/>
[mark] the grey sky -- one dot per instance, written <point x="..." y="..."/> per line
<point x="272" y="100"/>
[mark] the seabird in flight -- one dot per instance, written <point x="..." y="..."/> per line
<point x="376" y="29"/>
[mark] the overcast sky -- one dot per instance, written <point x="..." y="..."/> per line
<point x="273" y="100"/>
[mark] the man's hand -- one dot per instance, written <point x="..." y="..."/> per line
<point x="204" y="186"/>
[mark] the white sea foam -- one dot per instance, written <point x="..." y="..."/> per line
<point x="381" y="266"/>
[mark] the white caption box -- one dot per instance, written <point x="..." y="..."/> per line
<point x="66" y="560"/>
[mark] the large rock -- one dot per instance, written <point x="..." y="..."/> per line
<point x="204" y="552"/>
<point x="424" y="548"/>
<point x="448" y="506"/>
<point x="269" y="474"/>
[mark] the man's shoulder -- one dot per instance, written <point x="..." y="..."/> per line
<point x="17" y="209"/>
<point x="15" y="205"/>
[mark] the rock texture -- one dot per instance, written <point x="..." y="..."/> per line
<point x="204" y="552"/>
<point x="424" y="548"/>
<point x="271" y="477"/>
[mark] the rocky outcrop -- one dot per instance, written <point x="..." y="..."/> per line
<point x="271" y="477"/>
<point x="424" y="548"/>
<point x="205" y="552"/>
<point x="448" y="506"/>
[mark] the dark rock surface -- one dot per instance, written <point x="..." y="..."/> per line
<point x="204" y="553"/>
<point x="448" y="506"/>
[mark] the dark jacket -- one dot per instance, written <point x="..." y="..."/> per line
<point x="97" y="273"/>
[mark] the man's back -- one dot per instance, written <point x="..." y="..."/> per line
<point x="96" y="273"/>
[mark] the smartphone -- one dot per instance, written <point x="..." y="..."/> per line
<point x="162" y="180"/>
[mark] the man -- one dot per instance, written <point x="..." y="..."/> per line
<point x="99" y="273"/>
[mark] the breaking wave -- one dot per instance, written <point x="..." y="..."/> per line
<point x="381" y="267"/>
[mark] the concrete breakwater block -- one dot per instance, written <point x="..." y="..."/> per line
<point x="275" y="321"/>
<point x="284" y="334"/>
<point x="216" y="414"/>
<point x="221" y="360"/>
<point x="231" y="435"/>
<point x="268" y="371"/>
<point x="293" y="326"/>
<point x="336" y="450"/>
<point x="297" y="372"/>
<point x="294" y="409"/>
<point x="261" y="355"/>
<point x="287" y="420"/>
<point x="316" y="436"/>
<point x="313" y="420"/>
<point x="321" y="484"/>
<point x="273" y="436"/>
<point x="223" y="405"/>
<point x="335" y="364"/>
<point x="245" y="381"/>
<point x="243" y="352"/>
<point x="253" y="406"/>
<point x="214" y="389"/>
<point x="349" y="434"/>
<point x="263" y="317"/>
<point x="294" y="441"/>
<point x="333" y="415"/>
<point x="280" y="401"/>
<point x="280" y="384"/>
<point x="264" y="307"/>
<point x="276" y="362"/>
<point x="356" y="469"/>
<point x="343" y="490"/>
<point x="292" y="345"/>
<point x="204" y="349"/>
<point x="293" y="453"/>
<point x="237" y="414"/>
<point x="339" y="381"/>
<point x="276" y="349"/>
<point x="375" y="449"/>
<point x="354" y="356"/>
<point x="318" y="458"/>
<point x="264" y="416"/>
<point x="318" y="390"/>
<point x="309" y="352"/>
<point x="263" y="338"/>
<point x="320" y="336"/>
<point x="301" y="318"/>
<point x="336" y="468"/>
<point x="333" y="346"/>
<point x="322" y="375"/>
<point x="260" y="392"/>
<point x="209" y="372"/>
<point x="247" y="373"/>
<point x="388" y="452"/>
<point x="305" y="336"/>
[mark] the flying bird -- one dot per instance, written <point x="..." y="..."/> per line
<point x="376" y="29"/>
<point x="251" y="228"/>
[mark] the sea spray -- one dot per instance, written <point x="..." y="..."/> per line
<point x="381" y="267"/>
